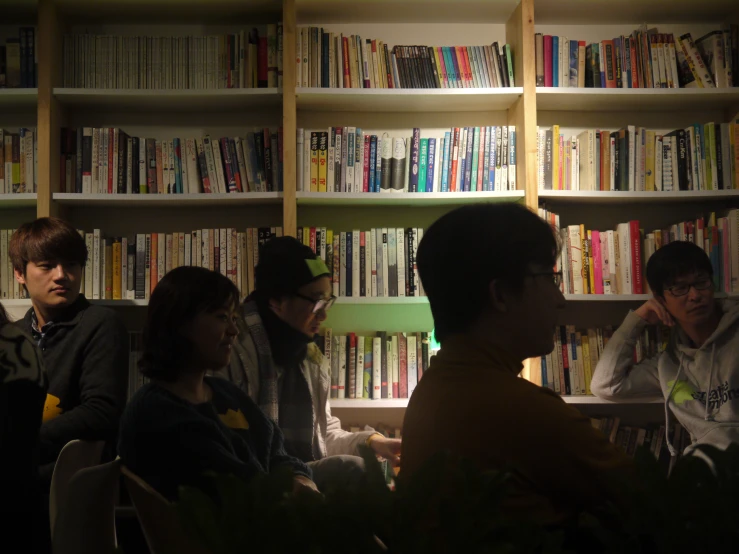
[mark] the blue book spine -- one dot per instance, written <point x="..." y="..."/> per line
<point x="177" y="167"/>
<point x="423" y="165"/>
<point x="493" y="157"/>
<point x="468" y="157"/>
<point x="555" y="61"/>
<point x="449" y="67"/>
<point x="544" y="382"/>
<point x="485" y="161"/>
<point x="372" y="163"/>
<point x="627" y="61"/>
<point x="445" y="162"/>
<point x="378" y="162"/>
<point x="431" y="166"/>
<point x="573" y="63"/>
<point x="415" y="155"/>
<point x="461" y="160"/>
<point x="348" y="264"/>
<point x="358" y="167"/>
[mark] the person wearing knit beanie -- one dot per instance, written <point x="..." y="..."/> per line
<point x="282" y="369"/>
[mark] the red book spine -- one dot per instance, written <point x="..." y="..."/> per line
<point x="226" y="154"/>
<point x="110" y="161"/>
<point x="262" y="62"/>
<point x="462" y="69"/>
<point x="313" y="239"/>
<point x="352" y="364"/>
<point x="636" y="257"/>
<point x="455" y="161"/>
<point x="548" y="82"/>
<point x="635" y="83"/>
<point x="365" y="185"/>
<point x="402" y="367"/>
<point x="610" y="63"/>
<point x="347" y="75"/>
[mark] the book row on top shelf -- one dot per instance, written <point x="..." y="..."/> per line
<point x="645" y="59"/>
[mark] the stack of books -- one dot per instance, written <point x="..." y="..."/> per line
<point x="462" y="159"/>
<point x="247" y="59"/>
<point x="18" y="161"/>
<point x="18" y="60"/>
<point x="128" y="268"/>
<point x="645" y="59"/>
<point x="613" y="261"/>
<point x="383" y="365"/>
<point x="698" y="157"/>
<point x="10" y="289"/>
<point x="332" y="60"/>
<point x="374" y="263"/>
<point x="109" y="161"/>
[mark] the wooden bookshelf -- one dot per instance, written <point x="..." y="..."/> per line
<point x="637" y="197"/>
<point x="169" y="101"/>
<point x="364" y="403"/>
<point x="576" y="12"/>
<point x="168" y="200"/>
<point x="20" y="99"/>
<point x="405" y="198"/>
<point x="24" y="200"/>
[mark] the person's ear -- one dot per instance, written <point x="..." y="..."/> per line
<point x="497" y="295"/>
<point x="19" y="276"/>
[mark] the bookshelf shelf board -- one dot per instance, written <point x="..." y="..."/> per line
<point x="607" y="297"/>
<point x="380" y="300"/>
<point x="365" y="403"/>
<point x="22" y="99"/>
<point x="22" y="303"/>
<point x="407" y="100"/>
<point x="168" y="200"/>
<point x="405" y="11"/>
<point x="576" y="12"/>
<point x="633" y="197"/>
<point x="211" y="11"/>
<point x="121" y="303"/>
<point x="635" y="100"/>
<point x="24" y="200"/>
<point x="599" y="401"/>
<point x="170" y="101"/>
<point x="405" y="198"/>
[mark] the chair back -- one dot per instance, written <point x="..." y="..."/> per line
<point x="85" y="524"/>
<point x="162" y="528"/>
<point x="75" y="455"/>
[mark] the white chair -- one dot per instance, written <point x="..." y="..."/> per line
<point x="75" y="455"/>
<point x="85" y="523"/>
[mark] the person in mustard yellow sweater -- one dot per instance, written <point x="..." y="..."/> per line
<point x="487" y="271"/>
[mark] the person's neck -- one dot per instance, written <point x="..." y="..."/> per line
<point x="288" y="345"/>
<point x="190" y="386"/>
<point x="700" y="332"/>
<point x="491" y="336"/>
<point x="45" y="314"/>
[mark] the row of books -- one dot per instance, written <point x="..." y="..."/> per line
<point x="386" y="365"/>
<point x="18" y="60"/>
<point x="107" y="160"/>
<point x="613" y="262"/>
<point x="645" y="59"/>
<point x="630" y="438"/>
<point x="378" y="262"/>
<point x="18" y="161"/>
<point x="345" y="159"/>
<point x="10" y="289"/>
<point x="569" y="368"/>
<point x="247" y="59"/>
<point x="332" y="60"/>
<point x="128" y="268"/>
<point x="698" y="157"/>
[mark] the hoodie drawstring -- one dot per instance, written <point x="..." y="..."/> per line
<point x="671" y="448"/>
<point x="709" y="417"/>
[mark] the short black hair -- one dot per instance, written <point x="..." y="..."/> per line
<point x="282" y="268"/>
<point x="467" y="248"/>
<point x="675" y="260"/>
<point x="181" y="295"/>
<point x="46" y="239"/>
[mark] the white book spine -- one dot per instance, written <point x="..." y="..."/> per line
<point x="394" y="365"/>
<point x="342" y="268"/>
<point x="355" y="263"/>
<point x="89" y="267"/>
<point x="401" y="258"/>
<point x="412" y="363"/>
<point x="418" y="287"/>
<point x="368" y="263"/>
<point x="373" y="262"/>
<point x="359" y="374"/>
<point x="193" y="175"/>
<point x="376" y="368"/>
<point x="385" y="264"/>
<point x="576" y="264"/>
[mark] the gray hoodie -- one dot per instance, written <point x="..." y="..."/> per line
<point x="699" y="385"/>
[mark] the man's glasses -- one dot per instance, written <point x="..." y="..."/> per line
<point x="320" y="304"/>
<point x="555" y="276"/>
<point x="683" y="288"/>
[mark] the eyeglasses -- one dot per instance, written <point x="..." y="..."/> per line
<point x="556" y="276"/>
<point x="683" y="288"/>
<point x="320" y="304"/>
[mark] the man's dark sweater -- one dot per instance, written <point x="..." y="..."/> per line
<point x="168" y="441"/>
<point x="85" y="351"/>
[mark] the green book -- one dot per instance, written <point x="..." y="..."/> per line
<point x="423" y="165"/>
<point x="475" y="160"/>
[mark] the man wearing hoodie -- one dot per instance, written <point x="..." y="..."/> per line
<point x="697" y="375"/>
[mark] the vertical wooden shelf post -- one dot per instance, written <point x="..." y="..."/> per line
<point x="520" y="35"/>
<point x="49" y="116"/>
<point x="289" y="120"/>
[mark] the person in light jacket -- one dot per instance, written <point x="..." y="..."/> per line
<point x="697" y="375"/>
<point x="280" y="367"/>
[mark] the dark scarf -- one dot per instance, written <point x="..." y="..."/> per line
<point x="290" y="406"/>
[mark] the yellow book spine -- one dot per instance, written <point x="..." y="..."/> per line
<point x="591" y="268"/>
<point x="586" y="362"/>
<point x="322" y="161"/>
<point x="314" y="162"/>
<point x="117" y="270"/>
<point x="649" y="181"/>
<point x="557" y="185"/>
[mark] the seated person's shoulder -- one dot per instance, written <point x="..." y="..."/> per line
<point x="20" y="358"/>
<point x="100" y="316"/>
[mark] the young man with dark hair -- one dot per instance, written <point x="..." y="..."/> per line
<point x="487" y="271"/>
<point x="697" y="375"/>
<point x="84" y="347"/>
<point x="281" y="368"/>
